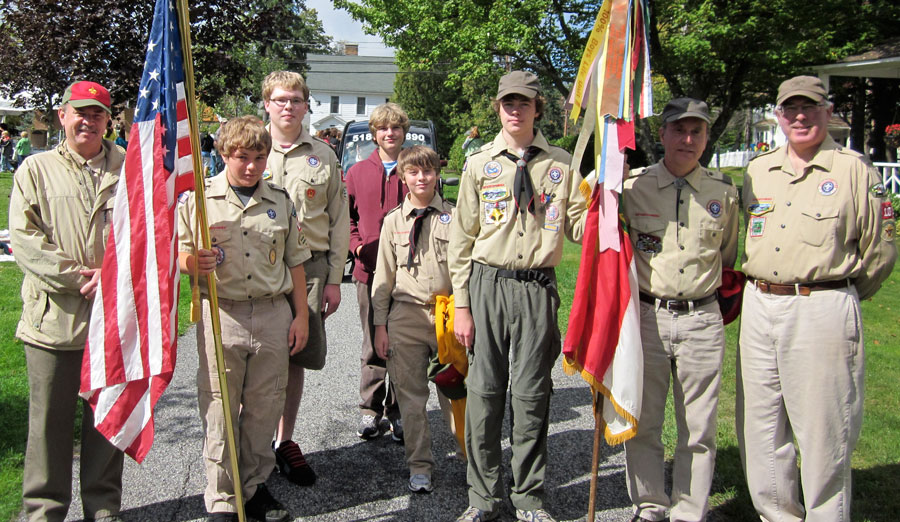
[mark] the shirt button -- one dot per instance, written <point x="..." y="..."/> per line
<point x="681" y="247"/>
<point x="778" y="249"/>
<point x="247" y="254"/>
<point x="788" y="203"/>
<point x="818" y="215"/>
<point x="782" y="225"/>
<point x="519" y="256"/>
<point x="681" y="201"/>
<point x="245" y="232"/>
<point x="521" y="234"/>
<point x="681" y="224"/>
<point x="680" y="293"/>
<point x="775" y="273"/>
<point x="681" y="270"/>
<point x="249" y="277"/>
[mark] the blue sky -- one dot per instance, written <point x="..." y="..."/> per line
<point x="340" y="26"/>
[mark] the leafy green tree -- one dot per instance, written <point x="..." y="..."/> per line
<point x="104" y="40"/>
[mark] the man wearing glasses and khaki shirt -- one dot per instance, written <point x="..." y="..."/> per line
<point x="820" y="231"/>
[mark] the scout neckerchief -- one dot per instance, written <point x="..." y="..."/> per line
<point x="418" y="215"/>
<point x="523" y="188"/>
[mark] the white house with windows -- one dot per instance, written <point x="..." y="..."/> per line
<point x="344" y="88"/>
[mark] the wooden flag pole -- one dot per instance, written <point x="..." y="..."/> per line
<point x="595" y="461"/>
<point x="199" y="184"/>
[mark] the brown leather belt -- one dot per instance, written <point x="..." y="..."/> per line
<point x="675" y="305"/>
<point x="797" y="289"/>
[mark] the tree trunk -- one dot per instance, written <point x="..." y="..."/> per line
<point x="858" y="117"/>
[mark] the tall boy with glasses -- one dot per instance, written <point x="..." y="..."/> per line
<point x="820" y="231"/>
<point x="307" y="168"/>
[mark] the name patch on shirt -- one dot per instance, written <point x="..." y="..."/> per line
<point x="649" y="244"/>
<point x="760" y="207"/>
<point x="496" y="213"/>
<point x="492" y="169"/>
<point x="827" y="187"/>
<point x="714" y="208"/>
<point x="757" y="226"/>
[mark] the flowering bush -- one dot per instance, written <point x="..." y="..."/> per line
<point x="892" y="131"/>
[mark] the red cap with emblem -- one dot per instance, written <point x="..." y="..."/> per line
<point x="84" y="94"/>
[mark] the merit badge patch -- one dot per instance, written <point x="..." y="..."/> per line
<point x="714" y="208"/>
<point x="878" y="190"/>
<point x="757" y="226"/>
<point x="496" y="213"/>
<point x="270" y="213"/>
<point x="649" y="244"/>
<point x="555" y="175"/>
<point x="760" y="207"/>
<point x="220" y="254"/>
<point x="492" y="169"/>
<point x="310" y="193"/>
<point x="887" y="210"/>
<point x="267" y="174"/>
<point x="272" y="257"/>
<point x="497" y="192"/>
<point x="827" y="187"/>
<point x="552" y="213"/>
<point x="444" y="217"/>
<point x="888" y="230"/>
<point x="313" y="161"/>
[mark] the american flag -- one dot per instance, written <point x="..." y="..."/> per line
<point x="130" y="355"/>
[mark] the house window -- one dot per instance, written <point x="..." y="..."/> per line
<point x="361" y="105"/>
<point x="335" y="104"/>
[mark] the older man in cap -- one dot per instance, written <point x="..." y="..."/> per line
<point x="59" y="215"/>
<point x="820" y="233"/>
<point x="684" y="227"/>
<point x="517" y="198"/>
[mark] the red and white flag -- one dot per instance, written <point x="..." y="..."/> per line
<point x="131" y="346"/>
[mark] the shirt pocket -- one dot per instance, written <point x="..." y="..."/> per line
<point x="401" y="249"/>
<point x="711" y="233"/>
<point x="312" y="189"/>
<point x="271" y="241"/>
<point x="441" y="241"/>
<point x="818" y="225"/>
<point x="222" y="244"/>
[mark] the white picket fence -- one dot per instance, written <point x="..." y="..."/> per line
<point x="890" y="175"/>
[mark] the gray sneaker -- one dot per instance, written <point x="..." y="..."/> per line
<point x="420" y="483"/>
<point x="397" y="430"/>
<point x="534" y="515"/>
<point x="370" y="427"/>
<point x="473" y="514"/>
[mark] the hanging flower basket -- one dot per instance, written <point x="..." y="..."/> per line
<point x="892" y="135"/>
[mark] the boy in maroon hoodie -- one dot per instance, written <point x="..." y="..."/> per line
<point x="374" y="188"/>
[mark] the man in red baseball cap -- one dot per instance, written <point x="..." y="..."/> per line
<point x="60" y="210"/>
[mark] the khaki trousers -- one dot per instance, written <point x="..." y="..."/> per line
<point x="313" y="356"/>
<point x="54" y="377"/>
<point x="412" y="341"/>
<point x="689" y="347"/>
<point x="255" y="347"/>
<point x="376" y="394"/>
<point x="516" y="343"/>
<point x="800" y="374"/>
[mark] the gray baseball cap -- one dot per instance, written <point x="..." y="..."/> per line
<point x="681" y="108"/>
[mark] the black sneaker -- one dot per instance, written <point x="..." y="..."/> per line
<point x="264" y="508"/>
<point x="371" y="427"/>
<point x="292" y="464"/>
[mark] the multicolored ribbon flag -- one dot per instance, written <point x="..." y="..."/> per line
<point x="130" y="355"/>
<point x="603" y="341"/>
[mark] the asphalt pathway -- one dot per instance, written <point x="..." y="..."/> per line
<point x="359" y="480"/>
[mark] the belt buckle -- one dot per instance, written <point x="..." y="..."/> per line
<point x="763" y="287"/>
<point x="672" y="306"/>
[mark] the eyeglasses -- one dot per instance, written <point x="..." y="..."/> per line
<point x="791" y="111"/>
<point x="282" y="102"/>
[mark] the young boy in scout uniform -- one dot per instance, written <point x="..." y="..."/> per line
<point x="517" y="198"/>
<point x="683" y="223"/>
<point x="820" y="237"/>
<point x="257" y="255"/>
<point x="412" y="271"/>
<point x="60" y="210"/>
<point x="307" y="168"/>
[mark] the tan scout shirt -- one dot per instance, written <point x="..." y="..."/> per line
<point x="486" y="228"/>
<point x="681" y="241"/>
<point x="308" y="170"/>
<point x="60" y="210"/>
<point x="429" y="276"/>
<point x="828" y="223"/>
<point x="255" y="245"/>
